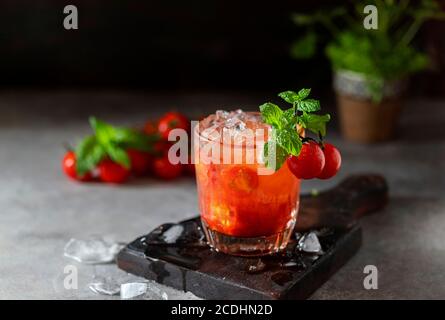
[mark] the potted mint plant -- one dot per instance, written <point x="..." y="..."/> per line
<point x="371" y="66"/>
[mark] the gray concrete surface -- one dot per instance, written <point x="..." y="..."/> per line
<point x="40" y="210"/>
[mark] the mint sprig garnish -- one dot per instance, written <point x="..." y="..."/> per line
<point x="112" y="142"/>
<point x="284" y="139"/>
<point x="299" y="100"/>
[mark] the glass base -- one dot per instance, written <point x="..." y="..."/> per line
<point x="247" y="247"/>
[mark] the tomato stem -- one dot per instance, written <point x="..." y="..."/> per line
<point x="306" y="139"/>
<point x="320" y="143"/>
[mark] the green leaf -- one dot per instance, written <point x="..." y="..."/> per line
<point x="314" y="122"/>
<point x="104" y="132"/>
<point x="303" y="19"/>
<point x="122" y="137"/>
<point x="305" y="47"/>
<point x="283" y="143"/>
<point x="88" y="154"/>
<point x="289" y="118"/>
<point x="290" y="141"/>
<point x="271" y="114"/>
<point x="304" y="93"/>
<point x="118" y="155"/>
<point x="308" y="105"/>
<point x="277" y="152"/>
<point x="130" y="138"/>
<point x="289" y="96"/>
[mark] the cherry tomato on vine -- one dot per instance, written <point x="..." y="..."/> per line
<point x="151" y="127"/>
<point x="164" y="169"/>
<point x="161" y="148"/>
<point x="140" y="161"/>
<point x="309" y="163"/>
<point x="69" y="167"/>
<point x="189" y="167"/>
<point x="112" y="172"/>
<point x="172" y="120"/>
<point x="332" y="161"/>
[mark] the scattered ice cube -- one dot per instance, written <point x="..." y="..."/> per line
<point x="172" y="234"/>
<point x="154" y="292"/>
<point x="92" y="251"/>
<point x="142" y="290"/>
<point x="309" y="243"/>
<point x="133" y="289"/>
<point x="106" y="286"/>
<point x="294" y="263"/>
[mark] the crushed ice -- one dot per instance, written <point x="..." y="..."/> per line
<point x="92" y="251"/>
<point x="106" y="286"/>
<point x="309" y="243"/>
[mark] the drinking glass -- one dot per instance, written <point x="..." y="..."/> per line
<point x="243" y="211"/>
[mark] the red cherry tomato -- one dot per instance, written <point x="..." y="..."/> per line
<point x="170" y="121"/>
<point x="309" y="163"/>
<point x="112" y="172"/>
<point x="140" y="161"/>
<point x="164" y="169"/>
<point x="161" y="148"/>
<point x="189" y="168"/>
<point x="332" y="161"/>
<point x="151" y="127"/>
<point x="69" y="167"/>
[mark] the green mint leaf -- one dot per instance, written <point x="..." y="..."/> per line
<point x="88" y="154"/>
<point x="314" y="122"/>
<point x="289" y="141"/>
<point x="271" y="114"/>
<point x="308" y="105"/>
<point x="266" y="154"/>
<point x="275" y="151"/>
<point x="289" y="96"/>
<point x="304" y="93"/>
<point x="118" y="155"/>
<point x="289" y="118"/>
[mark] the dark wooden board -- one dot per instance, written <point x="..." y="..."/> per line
<point x="188" y="264"/>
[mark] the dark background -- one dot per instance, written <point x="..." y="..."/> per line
<point x="163" y="45"/>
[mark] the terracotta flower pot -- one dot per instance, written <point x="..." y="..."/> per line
<point x="361" y="119"/>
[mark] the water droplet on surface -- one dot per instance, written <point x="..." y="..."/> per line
<point x="255" y="266"/>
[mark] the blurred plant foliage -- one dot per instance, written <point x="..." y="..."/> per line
<point x="381" y="54"/>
